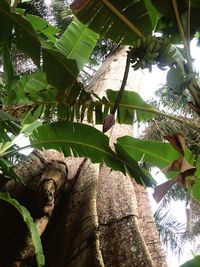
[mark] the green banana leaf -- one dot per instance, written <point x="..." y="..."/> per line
<point x="55" y="57"/>
<point x="131" y="104"/>
<point x="6" y="168"/>
<point x="195" y="187"/>
<point x="126" y="110"/>
<point x="6" y="24"/>
<point x="121" y="21"/>
<point x="26" y="38"/>
<point x="77" y="43"/>
<point x="61" y="71"/>
<point x="31" y="227"/>
<point x="80" y="140"/>
<point x="157" y="153"/>
<point x="32" y="88"/>
<point x="8" y="124"/>
<point x="43" y="28"/>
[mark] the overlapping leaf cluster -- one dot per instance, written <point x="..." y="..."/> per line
<point x="54" y="91"/>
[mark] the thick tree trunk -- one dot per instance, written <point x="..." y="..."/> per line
<point x="87" y="215"/>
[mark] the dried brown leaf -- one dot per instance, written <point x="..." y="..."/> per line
<point x="186" y="168"/>
<point x="177" y="141"/>
<point x="162" y="189"/>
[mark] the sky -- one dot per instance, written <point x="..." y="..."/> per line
<point x="157" y="77"/>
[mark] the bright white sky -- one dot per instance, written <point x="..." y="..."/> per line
<point x="48" y="2"/>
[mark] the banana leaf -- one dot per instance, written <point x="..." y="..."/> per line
<point x="77" y="43"/>
<point x="80" y="140"/>
<point x="157" y="153"/>
<point x="121" y="21"/>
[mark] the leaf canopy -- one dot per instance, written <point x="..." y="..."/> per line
<point x="26" y="38"/>
<point x="166" y="9"/>
<point x="121" y="21"/>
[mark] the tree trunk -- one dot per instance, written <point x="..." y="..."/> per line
<point x="86" y="214"/>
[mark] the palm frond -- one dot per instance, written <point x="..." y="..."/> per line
<point x="159" y="127"/>
<point x="171" y="231"/>
<point x="177" y="192"/>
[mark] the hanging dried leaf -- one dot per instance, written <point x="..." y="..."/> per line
<point x="186" y="168"/>
<point x="177" y="141"/>
<point x="190" y="182"/>
<point x="181" y="165"/>
<point x="174" y="166"/>
<point x="162" y="189"/>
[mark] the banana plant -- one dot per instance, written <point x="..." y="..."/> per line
<point x="131" y="21"/>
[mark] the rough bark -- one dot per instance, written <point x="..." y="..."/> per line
<point x="110" y="75"/>
<point x="121" y="240"/>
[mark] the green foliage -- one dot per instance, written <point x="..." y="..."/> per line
<point x="115" y="20"/>
<point x="66" y="73"/>
<point x="6" y="167"/>
<point x="130" y="103"/>
<point x="195" y="188"/>
<point x="79" y="140"/>
<point x="166" y="9"/>
<point x="8" y="124"/>
<point x="6" y="24"/>
<point x="42" y="27"/>
<point x="30" y="224"/>
<point x="156" y="153"/>
<point x="29" y="31"/>
<point x="53" y="90"/>
<point x="192" y="263"/>
<point x="32" y="88"/>
<point x="26" y="38"/>
<point x="77" y="42"/>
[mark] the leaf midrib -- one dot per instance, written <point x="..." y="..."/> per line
<point x="76" y="45"/>
<point x="112" y="155"/>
